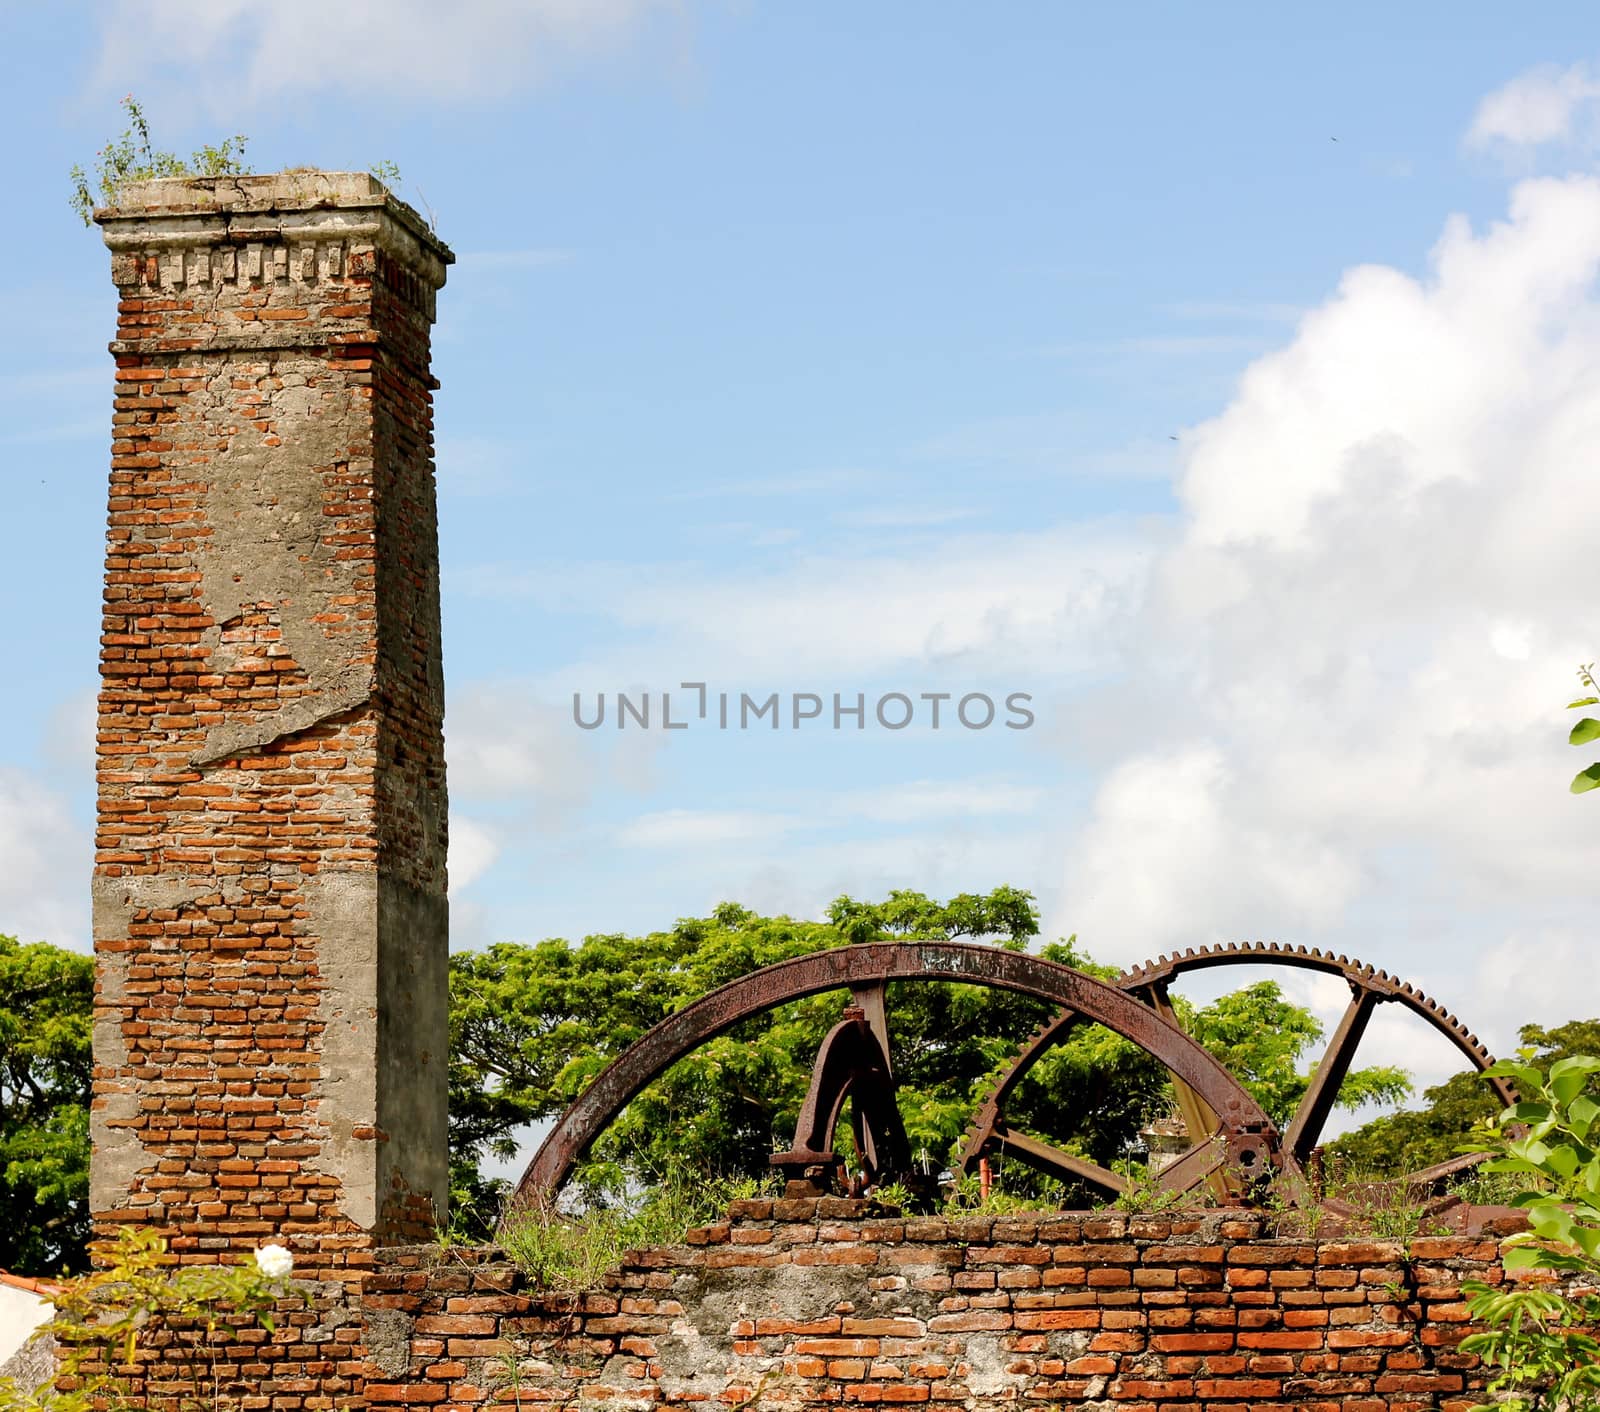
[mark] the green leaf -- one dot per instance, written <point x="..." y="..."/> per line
<point x="1563" y="1161"/>
<point x="1583" y="701"/>
<point x="1581" y="1114"/>
<point x="1586" y="730"/>
<point x="1585" y="780"/>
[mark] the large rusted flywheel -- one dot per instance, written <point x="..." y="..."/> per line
<point x="1239" y="1142"/>
<point x="989" y="1131"/>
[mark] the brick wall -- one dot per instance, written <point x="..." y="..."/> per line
<point x="269" y="890"/>
<point x="806" y="1304"/>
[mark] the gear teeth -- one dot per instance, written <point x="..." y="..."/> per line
<point x="1359" y="973"/>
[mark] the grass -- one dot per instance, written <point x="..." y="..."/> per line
<point x="572" y="1252"/>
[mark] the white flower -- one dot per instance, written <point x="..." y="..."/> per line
<point x="274" y="1262"/>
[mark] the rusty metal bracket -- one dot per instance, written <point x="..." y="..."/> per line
<point x="852" y="1063"/>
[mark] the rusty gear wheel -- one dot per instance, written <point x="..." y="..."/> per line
<point x="1369" y="987"/>
<point x="1238" y="1145"/>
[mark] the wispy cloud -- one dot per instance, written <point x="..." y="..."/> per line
<point x="1184" y="345"/>
<point x="820" y="482"/>
<point x="800" y="812"/>
<point x="223" y="51"/>
<point x="693" y="828"/>
<point x="1163" y="345"/>
<point x="1045" y="601"/>
<point x="1547" y="104"/>
<point x="904" y="517"/>
<point x="1233" y="311"/>
<point x="927" y="800"/>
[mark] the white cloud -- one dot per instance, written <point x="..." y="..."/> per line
<point x="1035" y="601"/>
<point x="938" y="799"/>
<point x="1172" y="857"/>
<point x="803" y="875"/>
<point x="474" y="846"/>
<point x="979" y="797"/>
<point x="693" y="828"/>
<point x="504" y="741"/>
<point x="1367" y="631"/>
<point x="228" y="50"/>
<point x="1542" y="973"/>
<point x="1545" y="104"/>
<point x="44" y="886"/>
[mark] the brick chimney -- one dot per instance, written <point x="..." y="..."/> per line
<point x="270" y="922"/>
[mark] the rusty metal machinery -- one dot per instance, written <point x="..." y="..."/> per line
<point x="989" y="1131"/>
<point x="1237" y="1143"/>
<point x="1232" y="1143"/>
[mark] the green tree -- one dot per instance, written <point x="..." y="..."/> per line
<point x="1410" y="1140"/>
<point x="46" y="1012"/>
<point x="532" y="1025"/>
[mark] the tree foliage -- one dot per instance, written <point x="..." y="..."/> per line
<point x="46" y="1012"/>
<point x="532" y="1025"/>
<point x="1411" y="1140"/>
<point x="1539" y="1336"/>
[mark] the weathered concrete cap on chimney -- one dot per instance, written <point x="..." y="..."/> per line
<point x="217" y="208"/>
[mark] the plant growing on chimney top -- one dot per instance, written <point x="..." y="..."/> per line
<point x="132" y="157"/>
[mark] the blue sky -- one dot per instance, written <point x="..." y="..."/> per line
<point x="1223" y="379"/>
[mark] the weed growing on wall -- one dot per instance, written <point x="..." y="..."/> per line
<point x="107" y="1325"/>
<point x="570" y="1252"/>
<point x="1539" y="1335"/>
<point x="133" y="157"/>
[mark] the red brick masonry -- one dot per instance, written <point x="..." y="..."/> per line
<point x="803" y="1304"/>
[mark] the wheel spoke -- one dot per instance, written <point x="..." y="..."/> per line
<point x="871" y="1000"/>
<point x="1198" y="1120"/>
<point x="1306" y="1127"/>
<point x="1053" y="1162"/>
<point x="986" y="1121"/>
